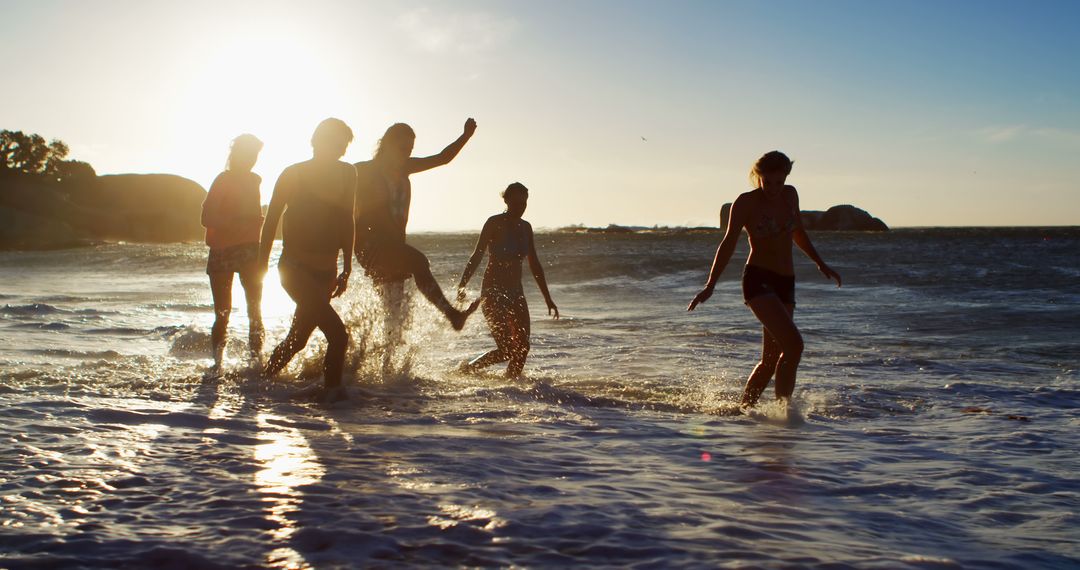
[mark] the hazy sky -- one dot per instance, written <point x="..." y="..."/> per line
<point x="922" y="112"/>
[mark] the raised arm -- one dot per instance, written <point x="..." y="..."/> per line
<point x="736" y="221"/>
<point x="802" y="239"/>
<point x="538" y="274"/>
<point x="282" y="192"/>
<point x="415" y="165"/>
<point x="474" y="260"/>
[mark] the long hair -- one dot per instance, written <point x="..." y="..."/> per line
<point x="395" y="134"/>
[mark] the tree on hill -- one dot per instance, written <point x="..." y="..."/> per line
<point x="74" y="170"/>
<point x="30" y="154"/>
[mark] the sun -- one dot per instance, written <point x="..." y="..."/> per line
<point x="275" y="86"/>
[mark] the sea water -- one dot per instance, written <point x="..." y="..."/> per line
<point x="934" y="420"/>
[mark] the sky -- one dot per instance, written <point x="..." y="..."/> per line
<point x="924" y="113"/>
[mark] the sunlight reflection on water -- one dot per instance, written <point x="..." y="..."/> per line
<point x="288" y="463"/>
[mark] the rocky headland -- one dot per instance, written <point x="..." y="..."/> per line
<point x="39" y="213"/>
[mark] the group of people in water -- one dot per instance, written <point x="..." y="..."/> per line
<point x="329" y="207"/>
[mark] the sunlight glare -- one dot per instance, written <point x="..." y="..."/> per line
<point x="277" y="86"/>
<point x="288" y="463"/>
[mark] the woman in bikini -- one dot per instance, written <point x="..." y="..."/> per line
<point x="383" y="197"/>
<point x="232" y="217"/>
<point x="507" y="239"/>
<point x="770" y="214"/>
<point x="317" y="198"/>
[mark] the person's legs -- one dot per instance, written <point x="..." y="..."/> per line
<point x="221" y="290"/>
<point x="416" y="264"/>
<point x="776" y="317"/>
<point x="311" y="290"/>
<point x="497" y="314"/>
<point x="759" y="378"/>
<point x="392" y="296"/>
<point x="307" y="294"/>
<point x="294" y="342"/>
<point x="520" y="330"/>
<point x="789" y="361"/>
<point x="337" y="341"/>
<point x="251" y="280"/>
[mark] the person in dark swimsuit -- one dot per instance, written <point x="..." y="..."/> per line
<point x="770" y="214"/>
<point x="232" y="217"/>
<point x="383" y="198"/>
<point x="507" y="239"/>
<point x="317" y="198"/>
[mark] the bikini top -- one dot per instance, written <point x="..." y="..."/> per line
<point x="512" y="244"/>
<point x="391" y="216"/>
<point x="768" y="227"/>
<point x="399" y="193"/>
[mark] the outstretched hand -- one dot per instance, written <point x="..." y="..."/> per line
<point x="829" y="273"/>
<point x="341" y="285"/>
<point x="700" y="298"/>
<point x="470" y="127"/>
<point x="552" y="307"/>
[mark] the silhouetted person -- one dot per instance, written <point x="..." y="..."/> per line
<point x="317" y="198"/>
<point x="507" y="239"/>
<point x="770" y="214"/>
<point x="232" y="217"/>
<point x="383" y="196"/>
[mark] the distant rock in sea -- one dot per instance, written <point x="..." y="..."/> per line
<point x="617" y="229"/>
<point x="36" y="213"/>
<point x="844" y="218"/>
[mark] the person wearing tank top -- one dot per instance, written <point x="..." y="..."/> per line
<point x="317" y="200"/>
<point x="383" y="198"/>
<point x="508" y="240"/>
<point x="770" y="214"/>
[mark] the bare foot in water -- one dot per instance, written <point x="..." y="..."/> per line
<point x="320" y="393"/>
<point x="458" y="318"/>
<point x="331" y="394"/>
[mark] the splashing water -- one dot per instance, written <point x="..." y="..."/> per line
<point x="933" y="421"/>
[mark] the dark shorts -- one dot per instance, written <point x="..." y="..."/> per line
<point x="306" y="285"/>
<point x="386" y="261"/>
<point x="234" y="259"/>
<point x="757" y="282"/>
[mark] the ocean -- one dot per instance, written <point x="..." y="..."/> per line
<point x="934" y="421"/>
